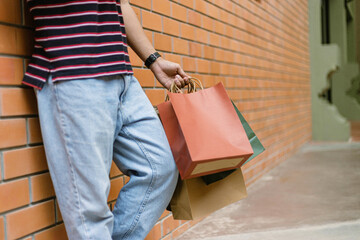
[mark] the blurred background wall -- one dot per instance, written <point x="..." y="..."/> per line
<point x="335" y="79"/>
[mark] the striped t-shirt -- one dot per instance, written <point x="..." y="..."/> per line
<point x="77" y="39"/>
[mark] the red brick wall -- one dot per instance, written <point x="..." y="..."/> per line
<point x="257" y="48"/>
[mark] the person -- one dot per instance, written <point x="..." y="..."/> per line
<point x="92" y="110"/>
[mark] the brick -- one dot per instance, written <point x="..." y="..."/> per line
<point x="214" y="39"/>
<point x="137" y="12"/>
<point x="202" y="35"/>
<point x="187" y="3"/>
<point x="12" y="132"/>
<point x="162" y="42"/>
<point x="220" y="55"/>
<point x="41" y="187"/>
<point x="164" y="214"/>
<point x="127" y="179"/>
<point x="189" y="64"/>
<point x="209" y="52"/>
<point x="180" y="46"/>
<point x="187" y="31"/>
<point x="156" y="96"/>
<point x="2" y="229"/>
<point x="213" y="11"/>
<point x="224" y="16"/>
<point x="203" y="66"/>
<point x="10" y="11"/>
<point x="13" y="71"/>
<point x="24" y="41"/>
<point x="172" y="57"/>
<point x="180" y="231"/>
<point x="207" y="23"/>
<point x="55" y="233"/>
<point x="14" y="194"/>
<point x="151" y="21"/>
<point x="29" y="220"/>
<point x="141" y="3"/>
<point x="171" y="26"/>
<point x="155" y="233"/>
<point x="201" y="6"/>
<point x="149" y="35"/>
<point x="116" y="185"/>
<point x="215" y="67"/>
<point x="24" y="161"/>
<point x="195" y="49"/>
<point x="218" y="3"/>
<point x="145" y="77"/>
<point x="34" y="130"/>
<point x="178" y="12"/>
<point x="7" y="39"/>
<point x="208" y="80"/>
<point x="161" y="6"/>
<point x="169" y="224"/>
<point x="114" y="171"/>
<point x="194" y="18"/>
<point x="58" y="214"/>
<point x="134" y="58"/>
<point x="17" y="101"/>
<point x="219" y="27"/>
<point x="168" y="237"/>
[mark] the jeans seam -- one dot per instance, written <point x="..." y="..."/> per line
<point x="149" y="190"/>
<point x="69" y="161"/>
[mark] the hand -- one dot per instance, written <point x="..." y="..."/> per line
<point x="167" y="72"/>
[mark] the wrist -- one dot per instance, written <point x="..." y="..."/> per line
<point x="156" y="65"/>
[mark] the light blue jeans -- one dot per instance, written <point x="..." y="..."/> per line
<point x="85" y="125"/>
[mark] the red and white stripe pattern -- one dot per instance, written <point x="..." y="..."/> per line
<point x="77" y="14"/>
<point x="76" y="40"/>
<point x="79" y="35"/>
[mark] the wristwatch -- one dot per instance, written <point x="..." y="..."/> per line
<point x="151" y="59"/>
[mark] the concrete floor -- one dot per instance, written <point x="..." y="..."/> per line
<point x="313" y="195"/>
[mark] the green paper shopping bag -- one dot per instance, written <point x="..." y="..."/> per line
<point x="255" y="144"/>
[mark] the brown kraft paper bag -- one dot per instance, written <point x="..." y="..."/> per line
<point x="194" y="199"/>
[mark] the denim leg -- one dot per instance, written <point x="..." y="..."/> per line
<point x="141" y="151"/>
<point x="78" y="121"/>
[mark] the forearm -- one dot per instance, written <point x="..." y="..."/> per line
<point x="136" y="37"/>
<point x="165" y="72"/>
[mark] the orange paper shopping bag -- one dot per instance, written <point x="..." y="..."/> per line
<point x="204" y="132"/>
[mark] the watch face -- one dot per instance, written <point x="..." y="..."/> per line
<point x="153" y="58"/>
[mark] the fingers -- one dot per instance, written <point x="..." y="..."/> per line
<point x="181" y="78"/>
<point x="179" y="81"/>
<point x="181" y="72"/>
<point x="173" y="72"/>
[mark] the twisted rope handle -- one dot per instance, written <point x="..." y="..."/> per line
<point x="193" y="83"/>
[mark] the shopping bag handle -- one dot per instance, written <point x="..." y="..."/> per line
<point x="193" y="83"/>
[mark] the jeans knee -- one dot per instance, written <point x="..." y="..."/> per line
<point x="169" y="169"/>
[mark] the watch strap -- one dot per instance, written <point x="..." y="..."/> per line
<point x="151" y="59"/>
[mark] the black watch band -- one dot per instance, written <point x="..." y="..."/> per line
<point x="151" y="59"/>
